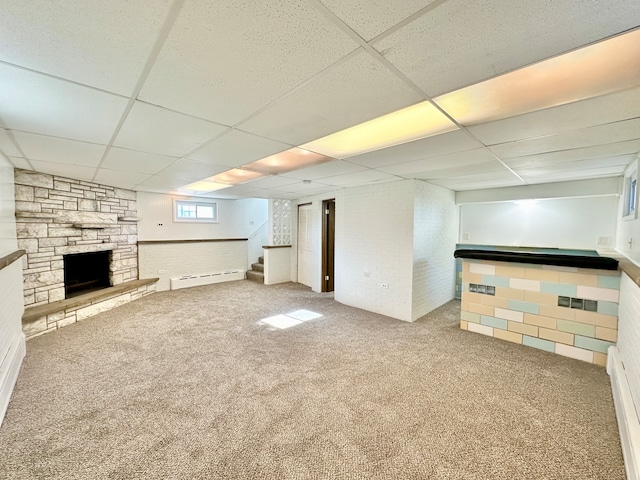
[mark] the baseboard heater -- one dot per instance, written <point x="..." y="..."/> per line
<point x="206" y="279"/>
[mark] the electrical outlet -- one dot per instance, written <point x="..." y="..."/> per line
<point x="161" y="224"/>
<point x="384" y="285"/>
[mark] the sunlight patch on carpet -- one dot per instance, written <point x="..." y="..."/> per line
<point x="290" y="319"/>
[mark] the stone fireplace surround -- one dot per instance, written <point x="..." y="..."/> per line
<point x="56" y="216"/>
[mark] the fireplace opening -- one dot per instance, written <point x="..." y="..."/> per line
<point x="86" y="272"/>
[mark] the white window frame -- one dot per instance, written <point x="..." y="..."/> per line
<point x="630" y="193"/>
<point x="194" y="203"/>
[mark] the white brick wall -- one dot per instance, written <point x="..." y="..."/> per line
<point x="435" y="232"/>
<point x="177" y="259"/>
<point x="629" y="334"/>
<point x="277" y="265"/>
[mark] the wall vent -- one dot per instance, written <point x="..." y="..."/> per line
<point x="206" y="279"/>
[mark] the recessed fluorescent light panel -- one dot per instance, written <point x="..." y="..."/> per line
<point x="601" y="68"/>
<point x="204" y="186"/>
<point x="287" y="161"/>
<point x="411" y="123"/>
<point x="236" y="176"/>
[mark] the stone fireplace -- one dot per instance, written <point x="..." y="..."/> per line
<point x="58" y="218"/>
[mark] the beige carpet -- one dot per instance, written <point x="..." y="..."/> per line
<point x="186" y="385"/>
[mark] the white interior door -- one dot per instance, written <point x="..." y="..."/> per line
<point x="304" y="245"/>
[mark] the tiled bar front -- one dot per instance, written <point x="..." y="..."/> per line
<point x="525" y="309"/>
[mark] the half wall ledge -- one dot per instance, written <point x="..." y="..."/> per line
<point x="45" y="318"/>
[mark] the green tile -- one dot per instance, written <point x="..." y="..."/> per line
<point x="493" y="322"/>
<point x="495" y="281"/>
<point x="528" y="307"/>
<point x="564" y="289"/>
<point x="608" y="308"/>
<point x="470" y="317"/>
<point x="575" y="327"/>
<point x="592" y="344"/>
<point x="609" y="281"/>
<point x="538" y="343"/>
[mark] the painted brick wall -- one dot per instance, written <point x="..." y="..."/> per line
<point x="435" y="231"/>
<point x="374" y="236"/>
<point x="177" y="259"/>
<point x="629" y="334"/>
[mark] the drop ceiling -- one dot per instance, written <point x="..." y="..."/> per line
<point x="153" y="96"/>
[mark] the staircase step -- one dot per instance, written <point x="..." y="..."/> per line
<point x="255" y="276"/>
<point x="258" y="267"/>
<point x="260" y="259"/>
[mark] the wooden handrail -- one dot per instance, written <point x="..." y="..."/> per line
<point x="12" y="257"/>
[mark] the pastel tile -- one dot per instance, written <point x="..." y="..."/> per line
<point x="482" y="268"/>
<point x="609" y="281"/>
<point x="523" y="284"/>
<point x="470" y="317"/>
<point x="510" y="271"/>
<point x="472" y="297"/>
<point x="558" y="312"/>
<point x="564" y="289"/>
<point x="538" y="343"/>
<point x="523" y="306"/>
<point x="472" y="277"/>
<point x="542" y="275"/>
<point x="483" y="329"/>
<point x="598" y="319"/>
<point x="522" y="328"/>
<point x="464" y="325"/>
<point x="600" y="359"/>
<point x="573" y="352"/>
<point x="592" y="344"/>
<point x="579" y="279"/>
<point x="597" y="293"/>
<point x="558" y="268"/>
<point x="608" y="308"/>
<point x="510" y="293"/>
<point x="493" y="322"/>
<point x="556" y="336"/>
<point x="541" y="298"/>
<point x="495" y="301"/>
<point x="509" y="315"/>
<point x="495" y="280"/>
<point x="540" y="321"/>
<point x="576" y="327"/>
<point x="609" y="334"/>
<point x="508" y="336"/>
<point x="481" y="309"/>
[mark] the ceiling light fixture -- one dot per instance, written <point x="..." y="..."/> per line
<point x="412" y="123"/>
<point x="605" y="67"/>
<point x="204" y="186"/>
<point x="287" y="161"/>
<point x="236" y="176"/>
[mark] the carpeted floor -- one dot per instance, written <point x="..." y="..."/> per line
<point x="188" y="385"/>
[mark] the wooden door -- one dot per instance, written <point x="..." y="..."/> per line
<point x="328" y="244"/>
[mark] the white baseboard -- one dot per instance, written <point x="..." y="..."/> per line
<point x="9" y="370"/>
<point x="628" y="421"/>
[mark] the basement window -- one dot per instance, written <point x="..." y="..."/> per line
<point x="629" y="207"/>
<point x="190" y="211"/>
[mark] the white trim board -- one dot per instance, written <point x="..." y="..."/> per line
<point x="9" y="370"/>
<point x="628" y="421"/>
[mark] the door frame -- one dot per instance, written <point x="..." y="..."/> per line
<point x="307" y="204"/>
<point x="328" y="245"/>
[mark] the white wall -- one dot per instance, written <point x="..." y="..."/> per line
<point x="435" y="231"/>
<point x="629" y="335"/>
<point x="559" y="222"/>
<point x="628" y="232"/>
<point x="12" y="343"/>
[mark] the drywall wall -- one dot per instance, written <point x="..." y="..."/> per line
<point x="435" y="229"/>
<point x="559" y="222"/>
<point x="12" y="340"/>
<point x="628" y="230"/>
<point x="629" y="334"/>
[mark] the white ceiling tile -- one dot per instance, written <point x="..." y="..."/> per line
<point x="237" y="148"/>
<point x="161" y="184"/>
<point x="330" y="169"/>
<point x="59" y="150"/>
<point x="6" y="144"/>
<point x="77" y="172"/>
<point x="36" y="103"/>
<point x="357" y="178"/>
<point x="577" y="167"/>
<point x="460" y="42"/>
<point x="300" y="186"/>
<point x="156" y="130"/>
<point x="451" y="142"/>
<point x="597" y="152"/>
<point x="572" y="116"/>
<point x="103" y="44"/>
<point x="272" y="182"/>
<point x="20" y="162"/>
<point x="457" y="159"/>
<point x="136" y="162"/>
<point x="188" y="170"/>
<point x="502" y="178"/>
<point x="351" y="92"/>
<point x="541" y="177"/>
<point x="225" y="60"/>
<point x="369" y="18"/>
<point x="584" y="137"/>
<point x="476" y="168"/>
<point x="120" y="179"/>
